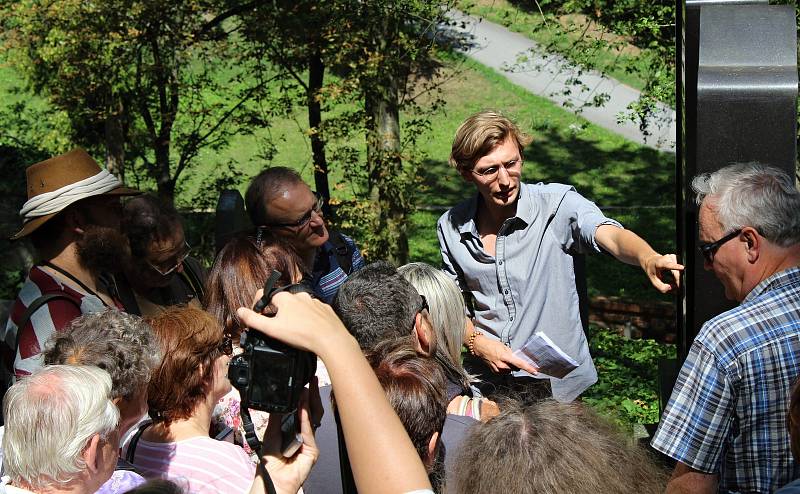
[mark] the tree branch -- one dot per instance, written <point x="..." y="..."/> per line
<point x="219" y="19"/>
<point x="190" y="150"/>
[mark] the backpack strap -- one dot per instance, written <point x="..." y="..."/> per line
<point x="343" y="250"/>
<point x="35" y="305"/>
<point x="129" y="455"/>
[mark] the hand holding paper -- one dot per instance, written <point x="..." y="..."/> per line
<point x="547" y="356"/>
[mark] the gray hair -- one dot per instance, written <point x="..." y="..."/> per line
<point x="377" y="304"/>
<point x="553" y="447"/>
<point x="447" y="312"/>
<point x="50" y="416"/>
<point x="121" y="344"/>
<point x="751" y="194"/>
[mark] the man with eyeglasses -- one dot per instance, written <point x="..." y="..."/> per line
<point x="160" y="272"/>
<point x="510" y="248"/>
<point x="725" y="422"/>
<point x="278" y="199"/>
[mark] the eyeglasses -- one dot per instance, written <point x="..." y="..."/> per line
<point x="170" y="267"/>
<point x="303" y="221"/>
<point x="225" y="346"/>
<point x="513" y="168"/>
<point x="423" y="304"/>
<point x="708" y="250"/>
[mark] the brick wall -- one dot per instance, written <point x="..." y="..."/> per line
<point x="653" y="320"/>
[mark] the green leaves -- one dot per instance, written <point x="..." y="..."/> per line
<point x="627" y="388"/>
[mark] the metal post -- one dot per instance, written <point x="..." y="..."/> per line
<point x="739" y="101"/>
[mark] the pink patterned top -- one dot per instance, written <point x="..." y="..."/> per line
<point x="198" y="465"/>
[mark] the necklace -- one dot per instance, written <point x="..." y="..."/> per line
<point x="69" y="275"/>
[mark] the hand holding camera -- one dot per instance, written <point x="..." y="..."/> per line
<point x="376" y="439"/>
<point x="300" y="322"/>
<point x="288" y="473"/>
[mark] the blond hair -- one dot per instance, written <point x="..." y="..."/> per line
<point x="479" y="134"/>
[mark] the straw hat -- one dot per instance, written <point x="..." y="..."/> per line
<point x="55" y="183"/>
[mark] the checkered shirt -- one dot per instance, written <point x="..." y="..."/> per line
<point x="328" y="275"/>
<point x="727" y="413"/>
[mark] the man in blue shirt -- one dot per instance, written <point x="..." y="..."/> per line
<point x="725" y="423"/>
<point x="278" y="199"/>
<point x="511" y="247"/>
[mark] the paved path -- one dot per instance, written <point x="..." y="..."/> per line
<point x="547" y="75"/>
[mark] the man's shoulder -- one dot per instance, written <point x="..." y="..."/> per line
<point x="41" y="283"/>
<point x="337" y="239"/>
<point x="458" y="214"/>
<point x="547" y="190"/>
<point x="761" y="321"/>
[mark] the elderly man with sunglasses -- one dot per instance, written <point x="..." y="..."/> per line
<point x="725" y="423"/>
<point x="279" y="200"/>
<point x="510" y="248"/>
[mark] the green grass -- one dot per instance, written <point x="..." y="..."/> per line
<point x="566" y="148"/>
<point x="524" y="17"/>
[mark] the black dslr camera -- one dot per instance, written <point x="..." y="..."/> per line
<point x="269" y="374"/>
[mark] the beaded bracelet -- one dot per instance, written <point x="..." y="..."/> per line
<point x="471" y="341"/>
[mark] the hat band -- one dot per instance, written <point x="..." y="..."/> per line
<point x="56" y="200"/>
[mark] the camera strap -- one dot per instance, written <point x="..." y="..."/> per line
<point x="247" y="424"/>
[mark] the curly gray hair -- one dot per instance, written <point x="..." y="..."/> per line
<point x="121" y="344"/>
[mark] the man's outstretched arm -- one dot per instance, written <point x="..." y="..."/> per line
<point x="632" y="249"/>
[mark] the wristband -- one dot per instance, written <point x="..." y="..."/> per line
<point x="471" y="341"/>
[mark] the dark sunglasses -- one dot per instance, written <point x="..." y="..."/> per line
<point x="303" y="221"/>
<point x="424" y="304"/>
<point x="708" y="250"/>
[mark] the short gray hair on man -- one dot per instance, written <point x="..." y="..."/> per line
<point x="50" y="416"/>
<point x="377" y="304"/>
<point x="121" y="344"/>
<point x="752" y="194"/>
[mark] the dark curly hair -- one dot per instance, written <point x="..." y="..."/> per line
<point x="146" y="219"/>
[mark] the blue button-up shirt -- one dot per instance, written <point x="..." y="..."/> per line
<point x="727" y="413"/>
<point x="529" y="284"/>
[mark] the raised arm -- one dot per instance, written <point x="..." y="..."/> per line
<point x="632" y="249"/>
<point x="382" y="456"/>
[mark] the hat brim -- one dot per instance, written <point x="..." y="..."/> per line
<point x="35" y="223"/>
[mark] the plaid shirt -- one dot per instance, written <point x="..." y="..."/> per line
<point x="727" y="413"/>
<point x="328" y="276"/>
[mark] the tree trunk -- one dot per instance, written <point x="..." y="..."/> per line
<point x="316" y="73"/>
<point x="164" y="180"/>
<point x="115" y="145"/>
<point x="385" y="168"/>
